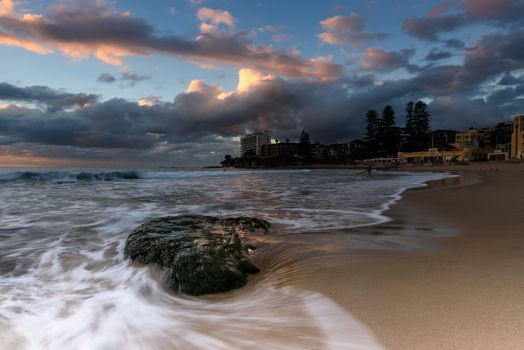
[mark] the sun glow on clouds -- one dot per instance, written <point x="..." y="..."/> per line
<point x="112" y="54"/>
<point x="22" y="162"/>
<point x="149" y="101"/>
<point x="26" y="158"/>
<point x="211" y="20"/>
<point x="248" y="79"/>
<point x="83" y="29"/>
<point x="6" y="7"/>
<point x="10" y="40"/>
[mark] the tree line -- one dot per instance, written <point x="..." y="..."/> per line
<point x="384" y="138"/>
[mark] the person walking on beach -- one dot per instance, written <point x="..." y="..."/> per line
<point x="369" y="169"/>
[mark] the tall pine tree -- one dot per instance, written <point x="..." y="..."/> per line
<point x="305" y="144"/>
<point x="409" y="127"/>
<point x="421" y="125"/>
<point x="388" y="134"/>
<point x="372" y="129"/>
<point x="372" y="121"/>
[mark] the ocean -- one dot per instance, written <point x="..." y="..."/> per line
<point x="65" y="283"/>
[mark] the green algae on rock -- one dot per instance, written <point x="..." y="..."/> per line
<point x="201" y="254"/>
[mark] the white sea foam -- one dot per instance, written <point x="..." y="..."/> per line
<point x="65" y="284"/>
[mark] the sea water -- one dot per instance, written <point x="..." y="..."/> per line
<point x="65" y="283"/>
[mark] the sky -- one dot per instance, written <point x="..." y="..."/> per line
<point x="177" y="82"/>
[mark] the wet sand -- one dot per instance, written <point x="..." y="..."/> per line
<point x="456" y="281"/>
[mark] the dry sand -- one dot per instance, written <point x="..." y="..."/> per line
<point x="459" y="286"/>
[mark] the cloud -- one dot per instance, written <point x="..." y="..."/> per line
<point x="200" y="117"/>
<point x="282" y="37"/>
<point x="133" y="78"/>
<point x="129" y="78"/>
<point x="346" y="30"/>
<point x="496" y="53"/>
<point x="384" y="61"/>
<point x="206" y="117"/>
<point x="509" y="79"/>
<point x="149" y="101"/>
<point x="429" y="28"/>
<point x="436" y="55"/>
<point x="6" y="7"/>
<point x="102" y="32"/>
<point x="197" y="2"/>
<point x="271" y="28"/>
<point x="106" y="78"/>
<point x="54" y="100"/>
<point x="460" y="114"/>
<point x="439" y="9"/>
<point x="454" y="43"/>
<point x="485" y="88"/>
<point x="211" y="20"/>
<point x="500" y="13"/>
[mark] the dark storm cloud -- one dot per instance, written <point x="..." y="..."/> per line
<point x="455" y="112"/>
<point x="89" y="127"/>
<point x="492" y="55"/>
<point x="509" y="79"/>
<point x="53" y="99"/>
<point x="111" y="36"/>
<point x="195" y="117"/>
<point x="281" y="106"/>
<point x="500" y="13"/>
<point x="361" y="81"/>
<point x="496" y="53"/>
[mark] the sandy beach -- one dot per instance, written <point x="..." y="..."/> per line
<point x="456" y="280"/>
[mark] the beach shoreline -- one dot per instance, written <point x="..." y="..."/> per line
<point x="455" y="282"/>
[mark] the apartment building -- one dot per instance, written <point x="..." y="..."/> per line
<point x="517" y="137"/>
<point x="253" y="142"/>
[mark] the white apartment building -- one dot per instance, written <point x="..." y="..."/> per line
<point x="253" y="142"/>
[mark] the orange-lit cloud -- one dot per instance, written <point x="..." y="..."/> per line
<point x="111" y="36"/>
<point x="6" y="7"/>
<point x="200" y="86"/>
<point x="249" y="78"/>
<point x="349" y="29"/>
<point x="211" y="20"/>
<point x="149" y="101"/>
<point x="29" y="45"/>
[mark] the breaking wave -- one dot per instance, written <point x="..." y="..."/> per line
<point x="67" y="176"/>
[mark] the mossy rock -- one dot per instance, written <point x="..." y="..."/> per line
<point x="202" y="254"/>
